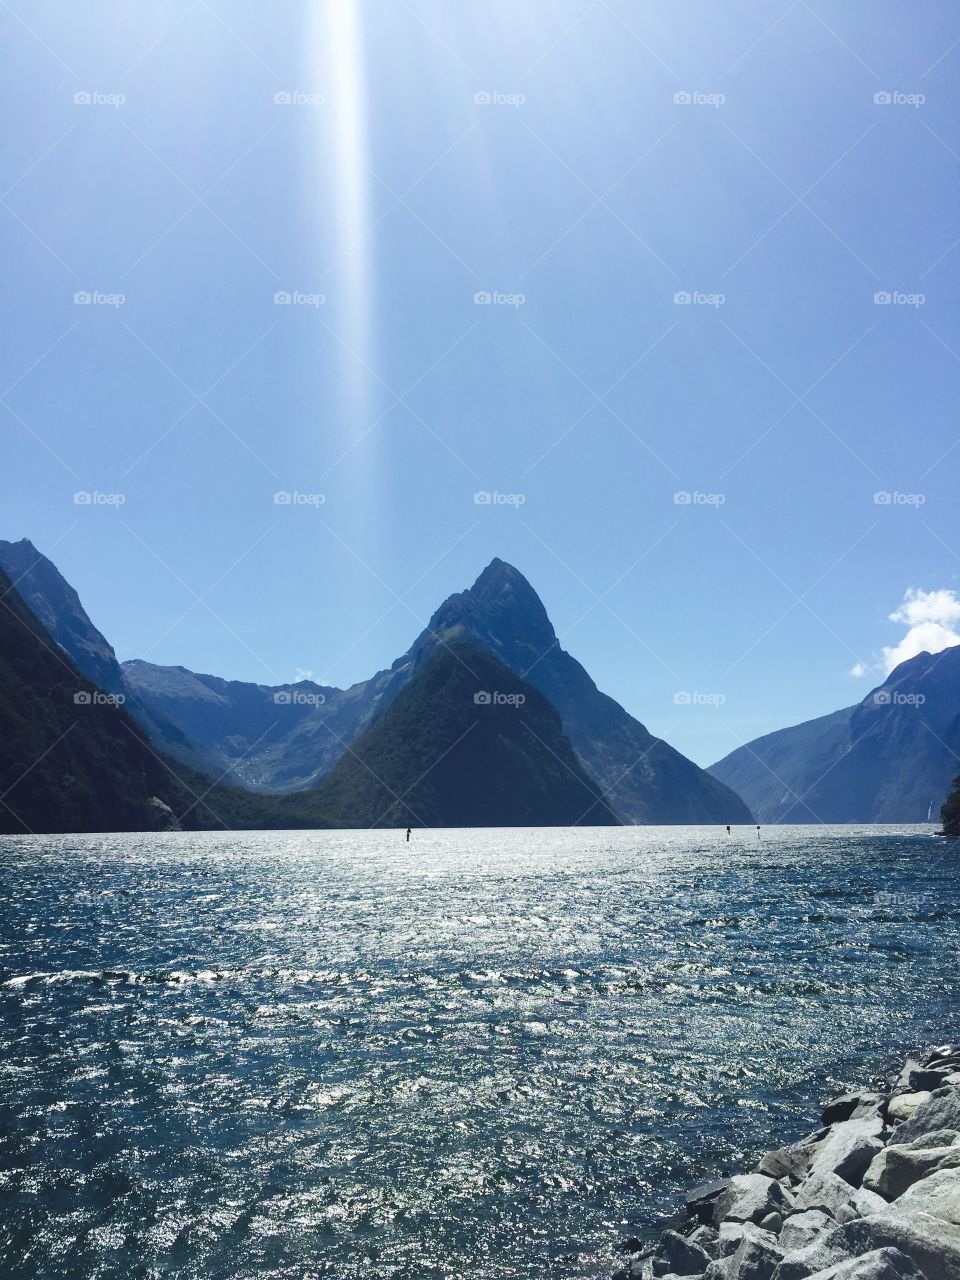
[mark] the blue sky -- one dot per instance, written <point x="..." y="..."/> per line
<point x="584" y="163"/>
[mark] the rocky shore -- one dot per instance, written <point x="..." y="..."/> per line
<point x="872" y="1195"/>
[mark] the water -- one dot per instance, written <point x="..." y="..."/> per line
<point x="486" y="1053"/>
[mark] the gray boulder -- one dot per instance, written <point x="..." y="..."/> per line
<point x="849" y="1150"/>
<point x="801" y="1229"/>
<point x="750" y="1197"/>
<point x="835" y="1196"/>
<point x="933" y="1245"/>
<point x="755" y="1259"/>
<point x="853" y="1106"/>
<point x="898" y="1167"/>
<point x="904" y="1105"/>
<point x="700" y="1200"/>
<point x="789" y="1162"/>
<point x="881" y="1264"/>
<point x="733" y="1234"/>
<point x="936" y="1196"/>
<point x="708" y="1238"/>
<point x="676" y="1255"/>
<point x="940" y="1111"/>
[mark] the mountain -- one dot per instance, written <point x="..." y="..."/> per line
<point x="57" y="608"/>
<point x="72" y="759"/>
<point x="465" y="744"/>
<point x="240" y="727"/>
<point x="287" y="738"/>
<point x="644" y="779"/>
<point x="889" y="758"/>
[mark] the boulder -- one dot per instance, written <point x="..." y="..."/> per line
<point x="833" y="1195"/>
<point x="935" y="1138"/>
<point x="772" y="1223"/>
<point x="789" y="1162"/>
<point x="733" y="1234"/>
<point x="849" y="1150"/>
<point x="898" y="1167"/>
<point x="942" y="1055"/>
<point x="801" y="1229"/>
<point x="933" y="1245"/>
<point x="750" y="1197"/>
<point x="936" y="1196"/>
<point x="904" y="1105"/>
<point x="700" y="1200"/>
<point x="880" y="1264"/>
<point x="708" y="1238"/>
<point x="755" y="1259"/>
<point x="676" y="1255"/>
<point x="940" y="1111"/>
<point x="853" y="1106"/>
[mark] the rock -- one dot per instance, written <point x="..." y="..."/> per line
<point x="678" y="1256"/>
<point x="772" y="1223"/>
<point x="937" y="1195"/>
<point x="828" y="1192"/>
<point x="755" y="1259"/>
<point x="940" y="1111"/>
<point x="708" y="1238"/>
<point x="849" y="1150"/>
<point x="942" y="1056"/>
<point x="904" y="1105"/>
<point x="700" y="1200"/>
<point x="789" y="1162"/>
<point x="853" y="1106"/>
<point x="733" y="1234"/>
<point x="926" y="1079"/>
<point x="934" y="1246"/>
<point x="749" y="1197"/>
<point x="935" y="1138"/>
<point x="880" y="1264"/>
<point x="898" y="1167"/>
<point x="633" y="1245"/>
<point x="801" y="1229"/>
<point x="718" y="1270"/>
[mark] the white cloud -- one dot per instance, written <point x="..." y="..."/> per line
<point x="931" y="618"/>
<point x="859" y="669"/>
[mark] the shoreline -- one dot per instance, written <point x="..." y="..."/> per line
<point x="873" y="1194"/>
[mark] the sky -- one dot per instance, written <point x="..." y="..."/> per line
<point x="313" y="309"/>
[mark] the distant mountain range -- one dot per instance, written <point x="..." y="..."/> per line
<point x="485" y="720"/>
<point x="559" y="752"/>
<point x="889" y="758"/>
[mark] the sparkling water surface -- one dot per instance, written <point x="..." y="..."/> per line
<point x="486" y="1053"/>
